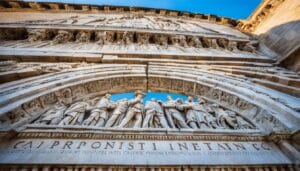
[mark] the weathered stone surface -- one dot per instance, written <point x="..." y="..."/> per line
<point x="43" y="151"/>
<point x="57" y="74"/>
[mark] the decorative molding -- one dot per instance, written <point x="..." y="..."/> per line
<point x="31" y="110"/>
<point x="57" y="167"/>
<point x="134" y="134"/>
<point x="77" y="132"/>
<point x="265" y="9"/>
<point x="102" y="37"/>
<point x="8" y="5"/>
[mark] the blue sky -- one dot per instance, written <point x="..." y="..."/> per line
<point x="157" y="95"/>
<point x="236" y="9"/>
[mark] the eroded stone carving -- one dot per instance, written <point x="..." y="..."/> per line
<point x="74" y="115"/>
<point x="126" y="38"/>
<point x="14" y="117"/>
<point x="196" y="114"/>
<point x="99" y="114"/>
<point x="174" y="116"/>
<point x="54" y="115"/>
<point x="63" y="36"/>
<point x="134" y="112"/>
<point x="39" y="34"/>
<point x="194" y="41"/>
<point x="83" y="36"/>
<point x="178" y="40"/>
<point x="143" y="38"/>
<point x="232" y="46"/>
<point x="160" y="40"/>
<point x="103" y="112"/>
<point x="154" y="115"/>
<point x="118" y="113"/>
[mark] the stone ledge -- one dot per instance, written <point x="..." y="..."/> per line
<point x="12" y="6"/>
<point x="131" y="134"/>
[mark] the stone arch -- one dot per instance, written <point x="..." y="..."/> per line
<point x="40" y="93"/>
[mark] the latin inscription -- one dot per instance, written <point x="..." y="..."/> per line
<point x="131" y="145"/>
<point x="138" y="152"/>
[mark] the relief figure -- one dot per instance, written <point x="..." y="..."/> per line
<point x="99" y="114"/>
<point x="196" y="114"/>
<point x="175" y="117"/>
<point x="75" y="113"/>
<point x="155" y="117"/>
<point x="53" y="116"/>
<point x="135" y="111"/>
<point x="118" y="113"/>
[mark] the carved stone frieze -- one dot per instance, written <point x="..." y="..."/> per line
<point x="40" y="34"/>
<point x="194" y="41"/>
<point x="64" y="36"/>
<point x="33" y="107"/>
<point x="127" y="38"/>
<point x="231" y="101"/>
<point x="132" y="113"/>
<point x="52" y="102"/>
<point x="13" y="34"/>
<point x="83" y="36"/>
<point x="14" y="117"/>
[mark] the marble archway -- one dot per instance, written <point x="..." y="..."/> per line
<point x="39" y="94"/>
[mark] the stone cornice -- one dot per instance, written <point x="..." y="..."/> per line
<point x="262" y="12"/>
<point x="122" y="37"/>
<point x="131" y="134"/>
<point x="12" y="6"/>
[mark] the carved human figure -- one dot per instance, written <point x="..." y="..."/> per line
<point x="228" y="119"/>
<point x="110" y="36"/>
<point x="143" y="38"/>
<point x="83" y="36"/>
<point x="214" y="44"/>
<point x="119" y="37"/>
<point x="154" y="115"/>
<point x="206" y="42"/>
<point x="127" y="38"/>
<point x="16" y="115"/>
<point x="135" y="111"/>
<point x="63" y="36"/>
<point x="179" y="40"/>
<point x="161" y="40"/>
<point x="100" y="37"/>
<point x="39" y="34"/>
<point x="213" y="111"/>
<point x="174" y="117"/>
<point x="223" y="43"/>
<point x="99" y="114"/>
<point x="75" y="113"/>
<point x="54" y="115"/>
<point x="232" y="46"/>
<point x="196" y="114"/>
<point x="249" y="47"/>
<point x="118" y="113"/>
<point x="194" y="42"/>
<point x="243" y="124"/>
